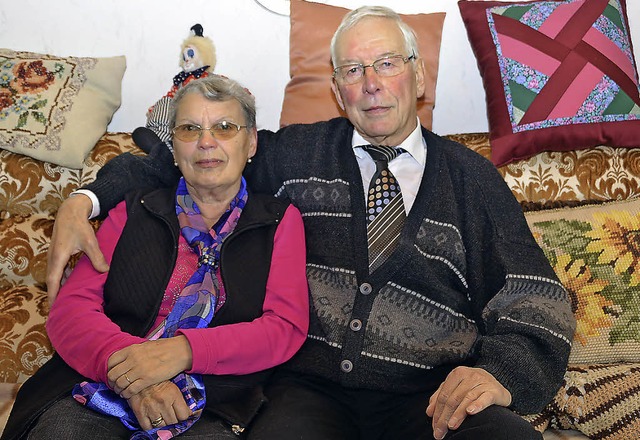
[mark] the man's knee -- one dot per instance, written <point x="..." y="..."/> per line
<point x="495" y="423"/>
<point x="297" y="410"/>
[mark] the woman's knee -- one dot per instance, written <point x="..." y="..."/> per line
<point x="69" y="420"/>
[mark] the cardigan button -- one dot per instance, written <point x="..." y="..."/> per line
<point x="355" y="325"/>
<point x="346" y="366"/>
<point x="365" y="288"/>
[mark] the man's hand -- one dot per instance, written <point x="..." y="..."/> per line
<point x="162" y="403"/>
<point x="139" y="366"/>
<point x="465" y="391"/>
<point x="72" y="233"/>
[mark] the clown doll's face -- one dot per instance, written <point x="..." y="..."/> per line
<point x="190" y="59"/>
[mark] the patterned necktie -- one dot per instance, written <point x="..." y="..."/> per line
<point x="385" y="208"/>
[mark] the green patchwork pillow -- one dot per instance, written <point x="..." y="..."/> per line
<point x="595" y="251"/>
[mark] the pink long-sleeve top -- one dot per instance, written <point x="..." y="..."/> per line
<point x="85" y="337"/>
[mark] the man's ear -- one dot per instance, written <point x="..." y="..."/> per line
<point x="420" y="86"/>
<point x="336" y="92"/>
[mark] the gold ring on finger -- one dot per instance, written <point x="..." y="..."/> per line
<point x="157" y="422"/>
<point x="127" y="377"/>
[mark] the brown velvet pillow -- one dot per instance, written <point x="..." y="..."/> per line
<point x="558" y="75"/>
<point x="308" y="97"/>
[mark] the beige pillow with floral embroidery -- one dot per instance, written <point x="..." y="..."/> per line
<point x="55" y="109"/>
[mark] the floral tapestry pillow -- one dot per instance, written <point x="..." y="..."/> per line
<point x="55" y="109"/>
<point x="558" y="75"/>
<point x="595" y="252"/>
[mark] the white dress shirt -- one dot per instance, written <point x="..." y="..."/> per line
<point x="407" y="167"/>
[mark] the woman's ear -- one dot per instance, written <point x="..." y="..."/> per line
<point x="253" y="143"/>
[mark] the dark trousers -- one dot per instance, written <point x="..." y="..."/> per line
<point x="314" y="409"/>
<point x="68" y="420"/>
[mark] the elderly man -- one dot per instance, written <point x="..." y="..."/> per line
<point x="434" y="313"/>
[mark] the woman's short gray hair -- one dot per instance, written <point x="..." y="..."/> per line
<point x="216" y="88"/>
<point x="354" y="17"/>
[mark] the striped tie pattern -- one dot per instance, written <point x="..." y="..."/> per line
<point x="385" y="208"/>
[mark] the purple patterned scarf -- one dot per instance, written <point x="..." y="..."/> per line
<point x="194" y="308"/>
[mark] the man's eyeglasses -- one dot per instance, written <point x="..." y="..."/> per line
<point x="387" y="66"/>
<point x="223" y="131"/>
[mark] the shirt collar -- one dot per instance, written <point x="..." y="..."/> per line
<point x="414" y="144"/>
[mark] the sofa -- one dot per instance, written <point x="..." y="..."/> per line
<point x="582" y="201"/>
<point x="31" y="191"/>
<point x="559" y="192"/>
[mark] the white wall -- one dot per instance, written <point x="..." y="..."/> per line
<point x="252" y="45"/>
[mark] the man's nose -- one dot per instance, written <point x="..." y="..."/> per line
<point x="370" y="79"/>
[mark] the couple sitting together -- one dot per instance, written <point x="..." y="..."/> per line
<point x="359" y="278"/>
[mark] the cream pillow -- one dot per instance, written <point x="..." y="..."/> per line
<point x="55" y="109"/>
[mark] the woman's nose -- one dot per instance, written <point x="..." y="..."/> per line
<point x="207" y="140"/>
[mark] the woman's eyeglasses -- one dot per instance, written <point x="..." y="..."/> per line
<point x="222" y="131"/>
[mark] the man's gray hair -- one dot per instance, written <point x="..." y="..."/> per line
<point x="354" y="17"/>
<point x="216" y="88"/>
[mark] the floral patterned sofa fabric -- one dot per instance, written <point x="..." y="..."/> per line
<point x="553" y="179"/>
<point x="29" y="186"/>
<point x="30" y="194"/>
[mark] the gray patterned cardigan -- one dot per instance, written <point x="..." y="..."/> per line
<point x="467" y="284"/>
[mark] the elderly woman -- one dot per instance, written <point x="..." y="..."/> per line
<point x="205" y="294"/>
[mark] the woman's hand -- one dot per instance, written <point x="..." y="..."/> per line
<point x="465" y="391"/>
<point x="159" y="405"/>
<point x="139" y="366"/>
